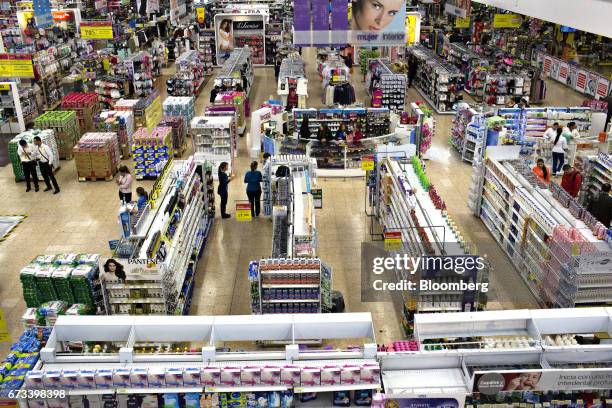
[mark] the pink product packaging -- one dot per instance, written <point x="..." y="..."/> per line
<point x="34" y="379"/>
<point x="310" y="376"/>
<point x="87" y="380"/>
<point x="250" y="376"/>
<point x="121" y="377"/>
<point x="370" y="373"/>
<point x="210" y="376"/>
<point x="104" y="378"/>
<point x="174" y="377"/>
<point x="271" y="375"/>
<point x="139" y="377"/>
<point x="191" y="377"/>
<point x="52" y="379"/>
<point x="157" y="377"/>
<point x="70" y="379"/>
<point x="330" y="375"/>
<point x="230" y="376"/>
<point x="290" y="376"/>
<point x="351" y="374"/>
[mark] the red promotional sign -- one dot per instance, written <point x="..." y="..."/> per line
<point x="62" y="16"/>
<point x="603" y="87"/>
<point x="581" y="81"/>
<point x="563" y="71"/>
<point x="547" y="64"/>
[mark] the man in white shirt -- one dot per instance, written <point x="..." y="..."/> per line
<point x="44" y="156"/>
<point x="28" y="164"/>
<point x="551" y="133"/>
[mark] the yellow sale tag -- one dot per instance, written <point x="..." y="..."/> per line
<point x="16" y="68"/>
<point x="367" y="163"/>
<point x="97" y="32"/>
<point x="106" y="64"/>
<point x="4" y="334"/>
<point x="462" y="22"/>
<point x="201" y="16"/>
<point x="393" y="240"/>
<point x="5" y="87"/>
<point x="507" y="21"/>
<point x="243" y="212"/>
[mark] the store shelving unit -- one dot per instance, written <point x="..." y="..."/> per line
<point x="468" y="62"/>
<point x="230" y="72"/>
<point x="214" y="139"/>
<point x="162" y="243"/>
<point x="207" y="49"/>
<point x="438" y="82"/>
<point x="469" y="133"/>
<point x="596" y="171"/>
<point x="552" y="246"/>
<point x="292" y="81"/>
<point x="191" y="71"/>
<point x="392" y="85"/>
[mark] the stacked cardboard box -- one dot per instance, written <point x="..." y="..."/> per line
<point x="86" y="107"/>
<point x="97" y="155"/>
<point x="47" y="137"/>
<point x="66" y="128"/>
<point x="120" y="122"/>
<point x="151" y="151"/>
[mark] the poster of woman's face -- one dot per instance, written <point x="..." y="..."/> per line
<point x="376" y="15"/>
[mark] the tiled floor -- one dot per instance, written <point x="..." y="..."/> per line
<point x="83" y="219"/>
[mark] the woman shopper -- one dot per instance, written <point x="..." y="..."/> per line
<point x="124" y="181"/>
<point x="559" y="147"/>
<point x="305" y="128"/>
<point x="224" y="181"/>
<point x="542" y="171"/>
<point x="253" y="180"/>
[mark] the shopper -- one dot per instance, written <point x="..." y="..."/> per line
<point x="571" y="132"/>
<point x="143" y="197"/>
<point x="213" y="93"/>
<point x="44" y="156"/>
<point x="571" y="181"/>
<point x="341" y="133"/>
<point x="601" y="207"/>
<point x="323" y="133"/>
<point x="551" y="133"/>
<point x="243" y="72"/>
<point x="542" y="171"/>
<point x="124" y="181"/>
<point x="253" y="180"/>
<point x="412" y="70"/>
<point x="28" y="164"/>
<point x="277" y="65"/>
<point x="559" y="147"/>
<point x="224" y="181"/>
<point x="305" y="128"/>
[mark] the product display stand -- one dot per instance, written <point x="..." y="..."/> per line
<point x="18" y="107"/>
<point x="468" y="62"/>
<point x="596" y="171"/>
<point x="424" y="228"/>
<point x="161" y="244"/>
<point x="469" y="133"/>
<point x="190" y="75"/>
<point x="292" y="82"/>
<point x="214" y="139"/>
<point x="548" y="236"/>
<point x="387" y="88"/>
<point x="230" y="74"/>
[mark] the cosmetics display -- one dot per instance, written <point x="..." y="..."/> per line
<point x="47" y="136"/>
<point x="65" y="129"/>
<point x="86" y="107"/>
<point x="596" y="171"/>
<point x="160" y="256"/>
<point x="392" y="86"/>
<point x="214" y="139"/>
<point x="438" y="82"/>
<point x="121" y="123"/>
<point x="191" y="71"/>
<point x="234" y="73"/>
<point x="151" y="151"/>
<point x="403" y="203"/>
<point x="238" y="101"/>
<point x="372" y="122"/>
<point x="292" y="82"/>
<point x="97" y="156"/>
<point x="13" y="98"/>
<point x="554" y="243"/>
<point x="71" y="278"/>
<point x="499" y="89"/>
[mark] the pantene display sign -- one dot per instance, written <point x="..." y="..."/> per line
<point x="490" y="383"/>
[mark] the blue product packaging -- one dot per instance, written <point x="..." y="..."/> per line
<point x="192" y="400"/>
<point x="308" y="396"/>
<point x="342" y="399"/>
<point x="363" y="398"/>
<point x="287" y="399"/>
<point x="171" y="401"/>
<point x="274" y="399"/>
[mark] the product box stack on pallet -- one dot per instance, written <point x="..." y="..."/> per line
<point x="66" y="128"/>
<point x="47" y="138"/>
<point x="183" y="106"/>
<point x="178" y="133"/>
<point x="97" y="156"/>
<point x="120" y="122"/>
<point x="151" y="151"/>
<point x="148" y="111"/>
<point x="86" y="107"/>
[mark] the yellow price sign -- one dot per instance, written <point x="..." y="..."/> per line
<point x="16" y="68"/>
<point x="507" y="21"/>
<point x="201" y="15"/>
<point x="367" y="163"/>
<point x="97" y="32"/>
<point x="462" y="22"/>
<point x="4" y="333"/>
<point x="243" y="212"/>
<point x="5" y="87"/>
<point x="393" y="240"/>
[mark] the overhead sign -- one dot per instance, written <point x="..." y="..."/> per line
<point x="231" y="30"/>
<point x="62" y="15"/>
<point x="507" y="21"/>
<point x="16" y="66"/>
<point x="413" y="28"/>
<point x="42" y="13"/>
<point x="491" y="383"/>
<point x="97" y="30"/>
<point x="461" y="8"/>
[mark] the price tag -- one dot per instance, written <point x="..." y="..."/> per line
<point x="97" y="31"/>
<point x="393" y="240"/>
<point x="16" y="68"/>
<point x="462" y="22"/>
<point x="4" y="334"/>
<point x="298" y="389"/>
<point x="201" y="15"/>
<point x="211" y="389"/>
<point x="5" y="87"/>
<point x="243" y="212"/>
<point x="367" y="163"/>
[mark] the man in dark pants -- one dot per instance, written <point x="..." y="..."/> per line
<point x="28" y="163"/>
<point x="224" y="180"/>
<point x="44" y="156"/>
<point x="601" y="207"/>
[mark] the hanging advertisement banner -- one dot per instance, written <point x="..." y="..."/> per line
<point x="381" y="25"/>
<point x="563" y="71"/>
<point x="96" y="30"/>
<point x="413" y="28"/>
<point x="463" y="22"/>
<point x="581" y="80"/>
<point x="491" y="383"/>
<point x="507" y="21"/>
<point x="603" y="87"/>
<point x="42" y="13"/>
<point x="339" y="22"/>
<point x="547" y="65"/>
<point x="238" y="30"/>
<point x="16" y="66"/>
<point x="200" y="15"/>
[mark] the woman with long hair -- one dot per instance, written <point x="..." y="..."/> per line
<point x="113" y="269"/>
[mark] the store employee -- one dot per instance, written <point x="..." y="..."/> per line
<point x="44" y="156"/>
<point x="28" y="164"/>
<point x="551" y="132"/>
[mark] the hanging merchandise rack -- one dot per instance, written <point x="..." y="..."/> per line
<point x="387" y="88"/>
<point x="190" y="75"/>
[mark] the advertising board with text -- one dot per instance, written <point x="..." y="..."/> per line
<point x="238" y="30"/>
